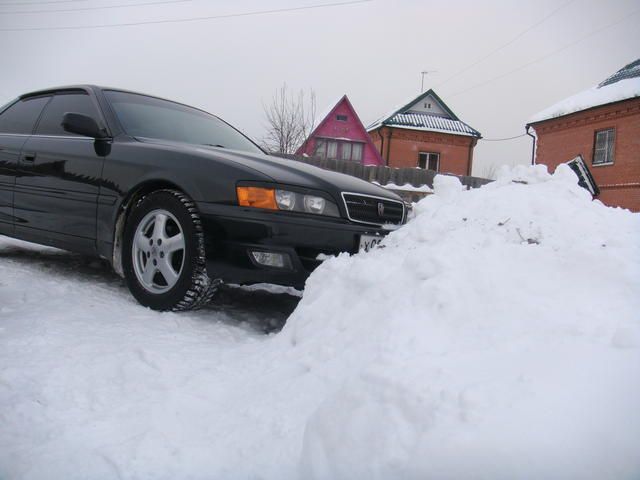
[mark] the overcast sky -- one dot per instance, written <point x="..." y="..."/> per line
<point x="372" y="51"/>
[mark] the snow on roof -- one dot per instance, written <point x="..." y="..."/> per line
<point x="622" y="85"/>
<point x="426" y="122"/>
<point x="405" y="117"/>
<point x="388" y="114"/>
<point x="628" y="71"/>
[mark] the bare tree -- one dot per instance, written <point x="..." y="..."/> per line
<point x="490" y="172"/>
<point x="290" y="120"/>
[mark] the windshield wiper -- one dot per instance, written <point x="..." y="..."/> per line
<point x="213" y="145"/>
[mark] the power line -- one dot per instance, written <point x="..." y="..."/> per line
<point x="126" y="5"/>
<point x="544" y="57"/>
<point x="502" y="139"/>
<point x="17" y="4"/>
<point x="503" y="46"/>
<point x="192" y="19"/>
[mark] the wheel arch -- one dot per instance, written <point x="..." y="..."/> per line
<point x="125" y="208"/>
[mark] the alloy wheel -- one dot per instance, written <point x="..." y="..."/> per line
<point x="158" y="251"/>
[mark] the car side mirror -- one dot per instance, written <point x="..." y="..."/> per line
<point x="82" y="125"/>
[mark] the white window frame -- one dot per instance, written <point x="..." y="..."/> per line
<point x="334" y="147"/>
<point x="360" y="149"/>
<point x="609" y="148"/>
<point x="323" y="153"/>
<point x="428" y="158"/>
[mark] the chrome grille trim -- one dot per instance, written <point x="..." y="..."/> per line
<point x="375" y="197"/>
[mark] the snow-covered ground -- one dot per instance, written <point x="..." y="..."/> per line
<point x="495" y="336"/>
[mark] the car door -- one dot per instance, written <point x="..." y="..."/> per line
<point x="17" y="121"/>
<point x="56" y="189"/>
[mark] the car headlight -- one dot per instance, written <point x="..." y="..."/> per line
<point x="285" y="200"/>
<point x="314" y="204"/>
<point x="278" y="199"/>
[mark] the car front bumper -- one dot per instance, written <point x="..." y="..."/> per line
<point x="232" y="233"/>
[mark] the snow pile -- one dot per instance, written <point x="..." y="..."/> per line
<point x="496" y="336"/>
<point x="407" y="187"/>
<point x="593" y="97"/>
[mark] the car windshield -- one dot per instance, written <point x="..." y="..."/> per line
<point x="149" y="117"/>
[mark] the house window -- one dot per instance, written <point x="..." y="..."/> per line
<point x="603" y="146"/>
<point x="356" y="152"/>
<point x="332" y="149"/>
<point x="342" y="149"/>
<point x="341" y="118"/>
<point x="345" y="151"/>
<point x="429" y="161"/>
<point x="321" y="148"/>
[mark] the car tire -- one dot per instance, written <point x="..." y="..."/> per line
<point x="163" y="255"/>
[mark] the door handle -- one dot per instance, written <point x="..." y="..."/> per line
<point x="28" y="157"/>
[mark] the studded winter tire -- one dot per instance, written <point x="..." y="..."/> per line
<point x="163" y="255"/>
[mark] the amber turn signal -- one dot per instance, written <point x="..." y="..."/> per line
<point x="257" y="197"/>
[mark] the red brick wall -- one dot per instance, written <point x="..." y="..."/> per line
<point x="562" y="139"/>
<point x="455" y="150"/>
<point x="621" y="197"/>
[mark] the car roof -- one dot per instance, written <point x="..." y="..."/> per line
<point x="58" y="89"/>
<point x="67" y="88"/>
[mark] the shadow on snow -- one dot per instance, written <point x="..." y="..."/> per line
<point x="261" y="310"/>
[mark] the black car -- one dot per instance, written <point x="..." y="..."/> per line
<point x="175" y="198"/>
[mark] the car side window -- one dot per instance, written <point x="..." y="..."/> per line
<point x="51" y="121"/>
<point x="21" y="117"/>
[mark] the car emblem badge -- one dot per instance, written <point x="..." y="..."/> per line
<point x="380" y="209"/>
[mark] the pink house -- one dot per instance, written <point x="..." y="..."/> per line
<point x="341" y="135"/>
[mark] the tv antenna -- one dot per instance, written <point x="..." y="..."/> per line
<point x="423" y="73"/>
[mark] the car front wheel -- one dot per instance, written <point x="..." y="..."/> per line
<point x="163" y="253"/>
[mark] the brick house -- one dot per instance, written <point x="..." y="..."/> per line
<point x="601" y="124"/>
<point x="341" y="135"/>
<point x="425" y="133"/>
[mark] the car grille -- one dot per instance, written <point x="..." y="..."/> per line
<point x="375" y="210"/>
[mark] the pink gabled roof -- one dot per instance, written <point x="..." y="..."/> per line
<point x="328" y="118"/>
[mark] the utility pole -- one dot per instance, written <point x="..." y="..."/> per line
<point x="423" y="73"/>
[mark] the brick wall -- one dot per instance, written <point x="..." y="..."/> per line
<point x="562" y="139"/>
<point x="621" y="197"/>
<point x="455" y="151"/>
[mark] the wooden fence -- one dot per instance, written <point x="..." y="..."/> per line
<point x="416" y="177"/>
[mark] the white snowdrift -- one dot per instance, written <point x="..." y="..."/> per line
<point x="495" y="336"/>
<point x="407" y="187"/>
<point x="593" y="97"/>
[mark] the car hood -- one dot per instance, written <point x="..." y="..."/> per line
<point x="285" y="171"/>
